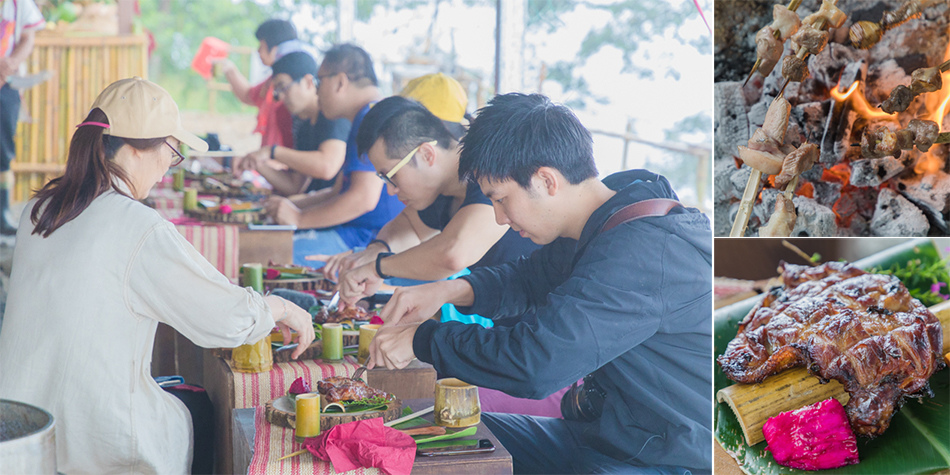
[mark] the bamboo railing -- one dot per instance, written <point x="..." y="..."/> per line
<point x="82" y="67"/>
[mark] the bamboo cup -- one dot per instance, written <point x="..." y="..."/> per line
<point x="332" y="338"/>
<point x="191" y="199"/>
<point x="456" y="403"/>
<point x="367" y="333"/>
<point x="307" y="416"/>
<point x="255" y="357"/>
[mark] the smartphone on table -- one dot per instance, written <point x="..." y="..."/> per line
<point x="483" y="445"/>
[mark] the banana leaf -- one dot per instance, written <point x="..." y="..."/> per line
<point x="918" y="439"/>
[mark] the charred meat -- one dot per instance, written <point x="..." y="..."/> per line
<point x="340" y="389"/>
<point x="841" y="323"/>
<point x="325" y="315"/>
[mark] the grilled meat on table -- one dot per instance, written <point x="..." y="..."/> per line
<point x="864" y="330"/>
<point x="339" y="388"/>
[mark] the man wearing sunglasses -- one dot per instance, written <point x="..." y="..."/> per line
<point x="350" y="213"/>
<point x="448" y="224"/>
<point x="319" y="143"/>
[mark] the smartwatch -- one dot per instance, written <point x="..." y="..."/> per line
<point x="379" y="258"/>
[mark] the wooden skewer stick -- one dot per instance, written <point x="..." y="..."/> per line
<point x="293" y="454"/>
<point x="800" y="252"/>
<point x="745" y="206"/>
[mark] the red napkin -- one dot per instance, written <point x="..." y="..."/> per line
<point x="365" y="444"/>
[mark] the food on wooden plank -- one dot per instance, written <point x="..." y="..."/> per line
<point x="343" y="389"/>
<point x="863" y="330"/>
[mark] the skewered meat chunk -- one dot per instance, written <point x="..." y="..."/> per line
<point x="925" y="80"/>
<point x="794" y="68"/>
<point x="899" y="100"/>
<point x="782" y="221"/>
<point x="765" y="151"/>
<point x="768" y="49"/>
<point x="797" y="163"/>
<point x="879" y="143"/>
<point x="864" y="330"/>
<point x="906" y="11"/>
<point x="828" y="16"/>
<point x="925" y="133"/>
<point x="810" y="38"/>
<point x="339" y="388"/>
<point x="785" y="21"/>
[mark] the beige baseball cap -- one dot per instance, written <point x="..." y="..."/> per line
<point x="140" y="109"/>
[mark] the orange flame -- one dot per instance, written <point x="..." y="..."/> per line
<point x="859" y="103"/>
<point x="937" y="102"/>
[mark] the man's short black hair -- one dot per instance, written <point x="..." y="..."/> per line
<point x="296" y="65"/>
<point x="274" y="32"/>
<point x="352" y="60"/>
<point x="516" y="134"/>
<point x="403" y="124"/>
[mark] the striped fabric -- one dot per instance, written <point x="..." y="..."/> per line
<point x="256" y="389"/>
<point x="216" y="242"/>
<point x="273" y="442"/>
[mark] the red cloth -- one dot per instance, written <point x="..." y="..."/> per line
<point x="365" y="444"/>
<point x="274" y="122"/>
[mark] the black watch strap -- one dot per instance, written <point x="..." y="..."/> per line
<point x="379" y="258"/>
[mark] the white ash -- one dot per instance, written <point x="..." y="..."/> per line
<point x="738" y="179"/>
<point x="932" y="189"/>
<point x="731" y="122"/>
<point x="722" y="221"/>
<point x="874" y="171"/>
<point x="812" y="117"/>
<point x="724" y="189"/>
<point x="813" y="219"/>
<point x="898" y="217"/>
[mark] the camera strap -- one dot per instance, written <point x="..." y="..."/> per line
<point x="641" y="209"/>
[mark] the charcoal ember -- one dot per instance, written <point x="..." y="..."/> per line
<point x="756" y="115"/>
<point x="883" y="78"/>
<point x="838" y="61"/>
<point x="826" y="193"/>
<point x="896" y="216"/>
<point x="813" y="174"/>
<point x="874" y="171"/>
<point x="730" y="120"/>
<point x="810" y="118"/>
<point x="813" y="219"/>
<point x="931" y="193"/>
<point x="815" y="437"/>
<point x="858" y="226"/>
<point x="723" y="218"/>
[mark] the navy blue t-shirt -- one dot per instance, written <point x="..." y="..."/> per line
<point x="309" y="137"/>
<point x="510" y="247"/>
<point x="363" y="229"/>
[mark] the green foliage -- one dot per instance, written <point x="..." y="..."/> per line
<point x="924" y="279"/>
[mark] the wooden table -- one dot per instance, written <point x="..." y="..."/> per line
<point x="498" y="461"/>
<point x="231" y="390"/>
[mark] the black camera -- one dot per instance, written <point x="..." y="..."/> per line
<point x="583" y="403"/>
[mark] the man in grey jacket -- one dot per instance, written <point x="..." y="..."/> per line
<point x="627" y="302"/>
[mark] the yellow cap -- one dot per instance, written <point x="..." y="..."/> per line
<point x="442" y="95"/>
<point x="140" y="109"/>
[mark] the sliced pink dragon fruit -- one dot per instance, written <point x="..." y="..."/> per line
<point x="815" y="437"/>
<point x="299" y="386"/>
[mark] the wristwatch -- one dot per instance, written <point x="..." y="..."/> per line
<point x="379" y="258"/>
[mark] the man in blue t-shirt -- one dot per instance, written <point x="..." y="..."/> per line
<point x="352" y="212"/>
<point x="319" y="143"/>
<point x="448" y="224"/>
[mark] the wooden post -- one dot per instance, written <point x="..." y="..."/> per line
<point x="509" y="45"/>
<point x="125" y="10"/>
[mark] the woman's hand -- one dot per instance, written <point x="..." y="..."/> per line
<point x="291" y="317"/>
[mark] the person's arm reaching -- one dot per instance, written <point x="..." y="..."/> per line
<point x="360" y="198"/>
<point x="466" y="238"/>
<point x="323" y="164"/>
<point x="395" y="236"/>
<point x="24" y="46"/>
<point x="239" y="85"/>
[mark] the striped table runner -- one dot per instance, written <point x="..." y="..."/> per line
<point x="256" y="389"/>
<point x="273" y="442"/>
<point x="218" y="243"/>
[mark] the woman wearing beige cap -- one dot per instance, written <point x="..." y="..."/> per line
<point x="94" y="271"/>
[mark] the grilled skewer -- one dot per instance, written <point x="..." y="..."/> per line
<point x="881" y="141"/>
<point x="811" y="38"/>
<point x="769" y="39"/>
<point x="922" y="80"/>
<point x="865" y="34"/>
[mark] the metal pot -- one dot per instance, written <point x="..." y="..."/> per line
<point x="27" y="439"/>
